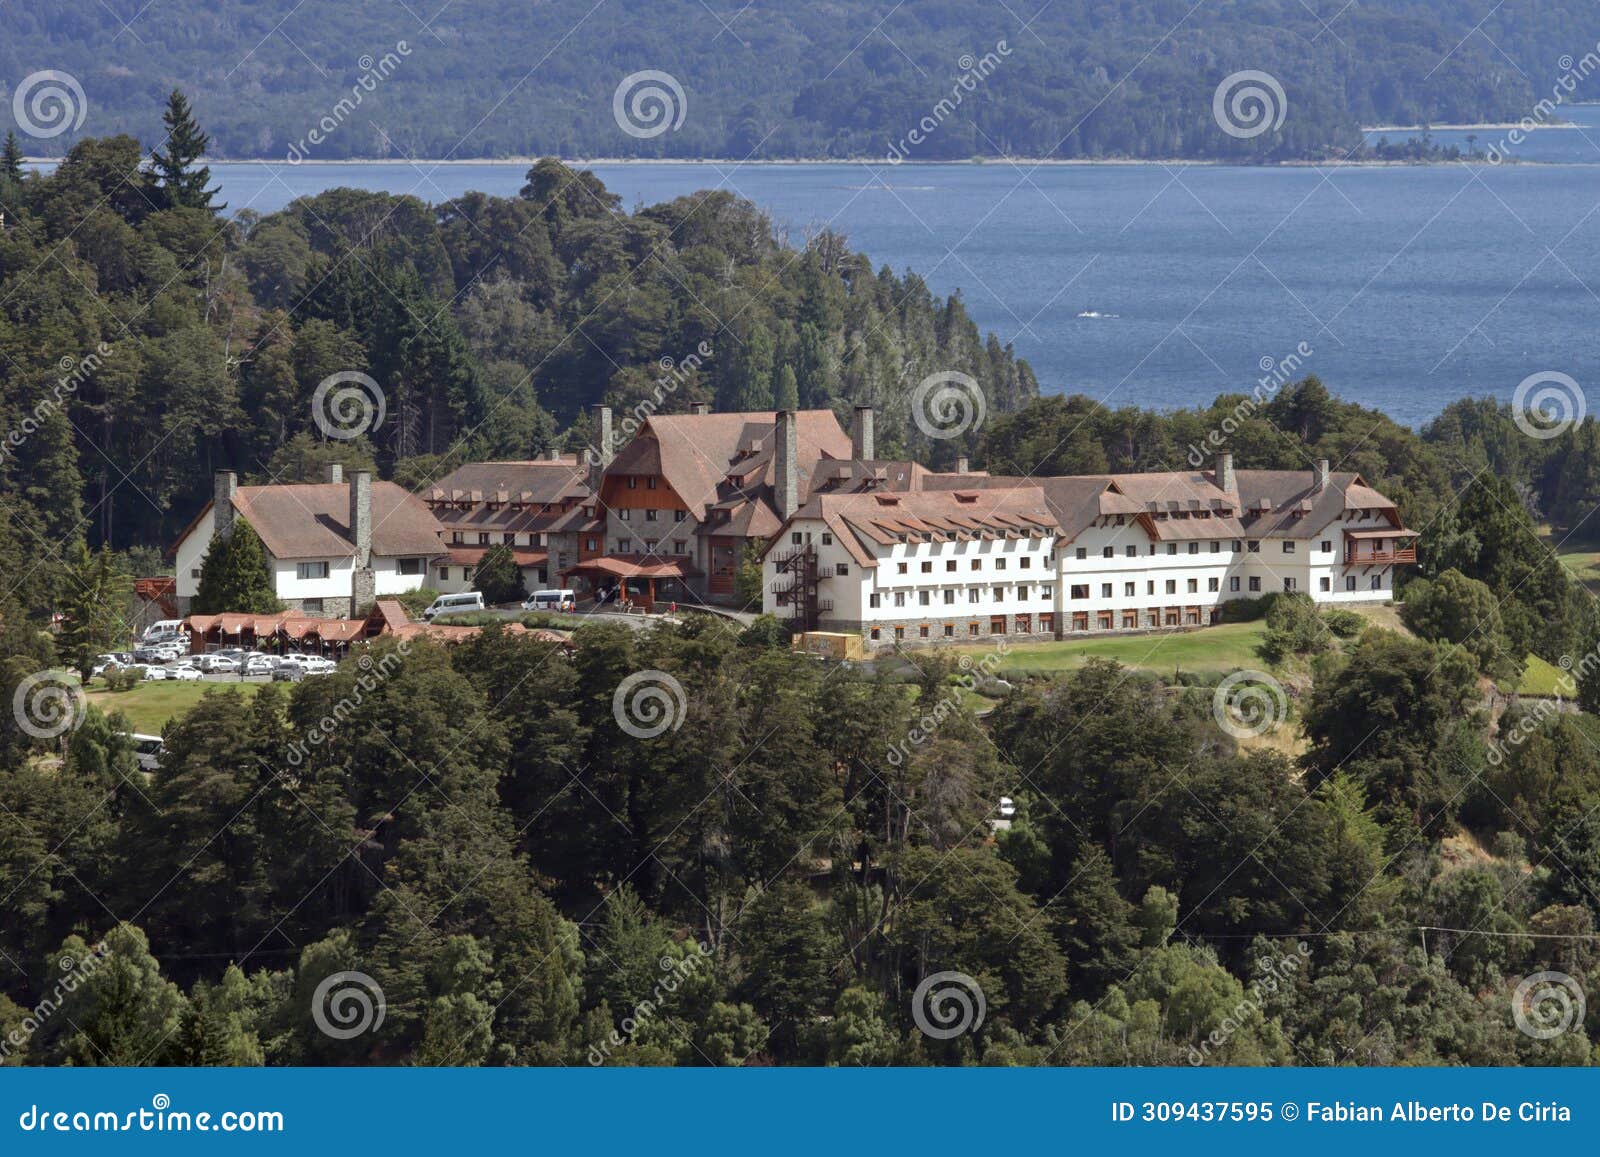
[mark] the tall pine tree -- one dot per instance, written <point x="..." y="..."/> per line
<point x="182" y="182"/>
<point x="11" y="158"/>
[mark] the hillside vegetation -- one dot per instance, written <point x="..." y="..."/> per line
<point x="850" y="78"/>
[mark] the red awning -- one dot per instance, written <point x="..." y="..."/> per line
<point x="625" y="566"/>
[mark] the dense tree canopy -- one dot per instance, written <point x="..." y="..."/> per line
<point x="1074" y="78"/>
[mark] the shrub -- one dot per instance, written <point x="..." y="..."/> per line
<point x="1246" y="610"/>
<point x="1345" y="624"/>
<point x="1293" y="628"/>
<point x="124" y="678"/>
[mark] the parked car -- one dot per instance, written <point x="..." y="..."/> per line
<point x="564" y="600"/>
<point x="258" y="664"/>
<point x="147" y="749"/>
<point x="183" y="671"/>
<point x="154" y="673"/>
<point x="287" y="673"/>
<point x="317" y="665"/>
<point x="1008" y="808"/>
<point x="218" y="664"/>
<point x="454" y="604"/>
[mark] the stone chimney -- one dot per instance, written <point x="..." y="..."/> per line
<point x="223" y="487"/>
<point x="553" y="454"/>
<point x="1322" y="473"/>
<point x="861" y="441"/>
<point x="363" y="582"/>
<point x="1225" y="479"/>
<point x="962" y="465"/>
<point x="602" y="451"/>
<point x="786" y="461"/>
<point x="700" y="409"/>
<point x="333" y="472"/>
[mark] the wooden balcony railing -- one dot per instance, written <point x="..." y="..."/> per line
<point x="1380" y="557"/>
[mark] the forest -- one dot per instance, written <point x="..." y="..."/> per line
<point x="148" y="339"/>
<point x="519" y="874"/>
<point x="1078" y="79"/>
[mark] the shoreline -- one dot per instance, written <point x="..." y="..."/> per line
<point x="863" y="162"/>
<point x="1521" y="126"/>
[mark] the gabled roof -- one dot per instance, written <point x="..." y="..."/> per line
<point x="696" y="453"/>
<point x="509" y="487"/>
<point x="1289" y="504"/>
<point x="312" y="520"/>
<point x="861" y="521"/>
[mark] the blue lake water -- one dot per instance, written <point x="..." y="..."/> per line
<point x="1412" y="285"/>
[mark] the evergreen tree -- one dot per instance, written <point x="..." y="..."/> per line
<point x="11" y="158"/>
<point x="499" y="577"/>
<point x="234" y="576"/>
<point x="785" y="389"/>
<point x="96" y="598"/>
<point x="181" y="181"/>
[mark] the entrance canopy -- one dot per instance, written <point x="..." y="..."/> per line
<point x="627" y="566"/>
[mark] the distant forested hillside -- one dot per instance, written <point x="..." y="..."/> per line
<point x="847" y="78"/>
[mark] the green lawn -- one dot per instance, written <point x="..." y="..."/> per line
<point x="1581" y="558"/>
<point x="1211" y="649"/>
<point x="149" y="705"/>
<point x="1541" y="678"/>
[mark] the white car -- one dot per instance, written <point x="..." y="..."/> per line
<point x="258" y="665"/>
<point x="184" y="672"/>
<point x="218" y="665"/>
<point x="1008" y="808"/>
<point x="317" y="665"/>
<point x="154" y="674"/>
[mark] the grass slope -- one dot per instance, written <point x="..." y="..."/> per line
<point x="1213" y="649"/>
<point x="149" y="706"/>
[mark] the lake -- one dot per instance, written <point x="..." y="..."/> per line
<point x="1164" y="285"/>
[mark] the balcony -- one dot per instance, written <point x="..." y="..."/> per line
<point x="1400" y="554"/>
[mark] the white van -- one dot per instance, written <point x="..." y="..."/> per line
<point x="455" y="604"/>
<point x="166" y="631"/>
<point x="147" y="750"/>
<point x="552" y="601"/>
